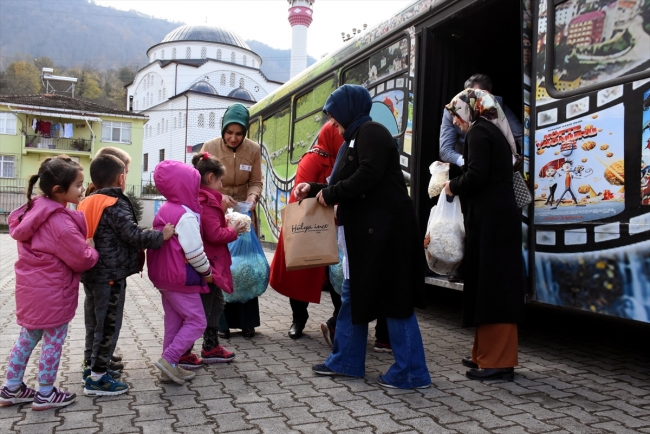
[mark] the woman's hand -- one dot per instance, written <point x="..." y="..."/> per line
<point x="238" y="226"/>
<point x="301" y="190"/>
<point x="320" y="198"/>
<point x="447" y="189"/>
<point x="227" y="202"/>
<point x="252" y="198"/>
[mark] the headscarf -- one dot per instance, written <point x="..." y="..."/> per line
<point x="235" y="114"/>
<point x="329" y="143"/>
<point x="471" y="104"/>
<point x="350" y="106"/>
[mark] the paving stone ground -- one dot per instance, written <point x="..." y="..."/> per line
<point x="587" y="382"/>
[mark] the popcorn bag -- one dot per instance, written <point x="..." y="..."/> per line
<point x="444" y="244"/>
<point x="439" y="175"/>
<point x="309" y="235"/>
<point x="250" y="269"/>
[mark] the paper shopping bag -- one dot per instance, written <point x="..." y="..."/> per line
<point x="309" y="235"/>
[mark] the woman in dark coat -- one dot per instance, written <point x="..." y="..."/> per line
<point x="493" y="294"/>
<point x="383" y="264"/>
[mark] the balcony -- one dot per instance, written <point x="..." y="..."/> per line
<point x="57" y="145"/>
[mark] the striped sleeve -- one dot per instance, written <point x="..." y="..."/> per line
<point x="189" y="237"/>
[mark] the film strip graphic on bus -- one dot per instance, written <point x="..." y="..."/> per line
<point x="590" y="179"/>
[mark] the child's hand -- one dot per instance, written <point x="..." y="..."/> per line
<point x="168" y="231"/>
<point x="91" y="242"/>
<point x="227" y="202"/>
<point x="238" y="226"/>
<point x="208" y="279"/>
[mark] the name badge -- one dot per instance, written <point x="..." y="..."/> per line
<point x="245" y="167"/>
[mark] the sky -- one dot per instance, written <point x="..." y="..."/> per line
<point x="267" y="20"/>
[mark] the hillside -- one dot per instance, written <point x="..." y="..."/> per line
<point x="79" y="32"/>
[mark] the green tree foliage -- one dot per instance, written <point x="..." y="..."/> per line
<point x="137" y="204"/>
<point x="126" y="75"/>
<point x="21" y="78"/>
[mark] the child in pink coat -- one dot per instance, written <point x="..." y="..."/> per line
<point x="216" y="235"/>
<point x="52" y="253"/>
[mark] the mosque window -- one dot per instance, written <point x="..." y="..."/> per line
<point x="232" y="80"/>
<point x="201" y="123"/>
<point x="218" y="54"/>
<point x="188" y="53"/>
<point x="155" y="55"/>
<point x="162" y="54"/>
<point x="175" y="126"/>
<point x="204" y="52"/>
<point x="223" y="79"/>
<point x="164" y="93"/>
<point x="144" y="104"/>
<point x="253" y="63"/>
<point x="244" y="60"/>
<point x="241" y="82"/>
<point x="159" y="95"/>
<point x="232" y="57"/>
<point x="158" y="128"/>
<point x="173" y="53"/>
<point x="211" y="120"/>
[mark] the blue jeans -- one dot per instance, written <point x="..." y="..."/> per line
<point x="349" y="354"/>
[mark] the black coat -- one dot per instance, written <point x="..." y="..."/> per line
<point x="381" y="232"/>
<point x="493" y="264"/>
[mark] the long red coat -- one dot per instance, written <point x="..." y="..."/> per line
<point x="306" y="285"/>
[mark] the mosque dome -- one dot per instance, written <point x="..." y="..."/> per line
<point x="241" y="93"/>
<point x="203" y="87"/>
<point x="214" y="34"/>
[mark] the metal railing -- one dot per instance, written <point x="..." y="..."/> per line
<point x="58" y="143"/>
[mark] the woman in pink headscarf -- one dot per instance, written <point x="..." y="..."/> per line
<point x="304" y="286"/>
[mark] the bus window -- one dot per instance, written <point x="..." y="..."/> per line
<point x="275" y="137"/>
<point x="595" y="43"/>
<point x="314" y="99"/>
<point x="381" y="64"/>
<point x="254" y="130"/>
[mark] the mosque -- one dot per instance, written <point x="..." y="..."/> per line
<point x="193" y="75"/>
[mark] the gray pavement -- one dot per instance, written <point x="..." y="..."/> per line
<point x="565" y="384"/>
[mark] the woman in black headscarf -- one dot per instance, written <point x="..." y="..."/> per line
<point x="383" y="264"/>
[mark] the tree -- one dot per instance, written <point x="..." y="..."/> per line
<point x="43" y="62"/>
<point x="126" y="75"/>
<point x="21" y="78"/>
<point x="87" y="84"/>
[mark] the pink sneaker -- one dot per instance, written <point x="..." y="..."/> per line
<point x="217" y="355"/>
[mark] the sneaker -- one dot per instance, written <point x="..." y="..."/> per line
<point x="116" y="358"/>
<point x="382" y="347"/>
<point x="185" y="375"/>
<point x="86" y="373"/>
<point x="173" y="372"/>
<point x="190" y="361"/>
<point x="217" y="355"/>
<point x="105" y="386"/>
<point x="19" y="396"/>
<point x="328" y="334"/>
<point x="322" y="369"/>
<point x="382" y="383"/>
<point x="56" y="398"/>
<point x="115" y="366"/>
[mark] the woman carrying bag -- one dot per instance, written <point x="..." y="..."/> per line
<point x="241" y="183"/>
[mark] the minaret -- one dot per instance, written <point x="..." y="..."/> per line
<point x="300" y="17"/>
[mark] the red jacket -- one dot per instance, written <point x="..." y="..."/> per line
<point x="216" y="235"/>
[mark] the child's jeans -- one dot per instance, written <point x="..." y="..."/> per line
<point x="50" y="355"/>
<point x="184" y="323"/>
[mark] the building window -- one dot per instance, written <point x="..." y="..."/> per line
<point x="253" y="63"/>
<point x="241" y="82"/>
<point x="232" y="57"/>
<point x="155" y="55"/>
<point x="188" y="53"/>
<point x="232" y="80"/>
<point x="159" y="95"/>
<point x="175" y="126"/>
<point x="161" y="155"/>
<point x="218" y="54"/>
<point x="180" y="120"/>
<point x="200" y="122"/>
<point x="7" y="123"/>
<point x="211" y="120"/>
<point x="7" y="166"/>
<point x="162" y="54"/>
<point x="173" y="53"/>
<point x="145" y="162"/>
<point x="118" y="132"/>
<point x="204" y="52"/>
<point x="158" y="129"/>
<point x="164" y="93"/>
<point x="223" y="79"/>
<point x="245" y="60"/>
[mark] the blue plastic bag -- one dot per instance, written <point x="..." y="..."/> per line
<point x="336" y="274"/>
<point x="250" y="269"/>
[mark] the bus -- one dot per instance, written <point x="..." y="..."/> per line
<point x="576" y="73"/>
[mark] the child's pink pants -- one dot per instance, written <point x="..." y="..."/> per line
<point x="184" y="323"/>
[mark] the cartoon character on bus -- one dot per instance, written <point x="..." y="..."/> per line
<point x="569" y="175"/>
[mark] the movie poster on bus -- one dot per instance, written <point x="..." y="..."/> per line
<point x="579" y="169"/>
<point x="645" y="153"/>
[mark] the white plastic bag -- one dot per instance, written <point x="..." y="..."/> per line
<point x="444" y="244"/>
<point x="439" y="175"/>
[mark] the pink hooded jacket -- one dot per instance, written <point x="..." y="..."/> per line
<point x="216" y="236"/>
<point x="52" y="253"/>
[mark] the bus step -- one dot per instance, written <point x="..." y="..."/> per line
<point x="443" y="282"/>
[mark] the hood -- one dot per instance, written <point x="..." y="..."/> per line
<point x="179" y="183"/>
<point x="350" y="106"/>
<point x="329" y="140"/>
<point x="41" y="210"/>
<point x="235" y="114"/>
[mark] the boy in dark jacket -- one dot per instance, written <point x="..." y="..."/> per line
<point x="118" y="239"/>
